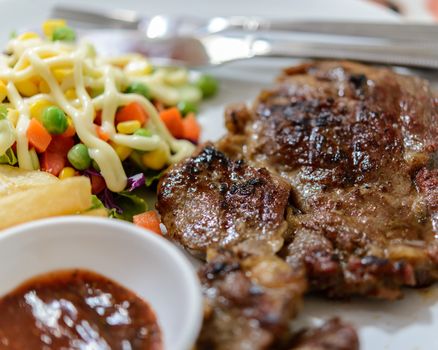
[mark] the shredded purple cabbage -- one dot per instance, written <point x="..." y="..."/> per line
<point x="90" y="171"/>
<point x="135" y="181"/>
<point x="107" y="198"/>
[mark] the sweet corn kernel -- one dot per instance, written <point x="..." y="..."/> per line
<point x="13" y="116"/>
<point x="155" y="159"/>
<point x="28" y="35"/>
<point x="37" y="108"/>
<point x="66" y="173"/>
<point x="62" y="73"/>
<point x="69" y="121"/>
<point x="22" y="64"/>
<point x="71" y="94"/>
<point x="138" y="68"/>
<point x="3" y="91"/>
<point x="27" y="88"/>
<point x="44" y="87"/>
<point x="47" y="54"/>
<point x="50" y="25"/>
<point x="128" y="127"/>
<point x="122" y="151"/>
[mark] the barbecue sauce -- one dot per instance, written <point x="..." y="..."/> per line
<point x="76" y="309"/>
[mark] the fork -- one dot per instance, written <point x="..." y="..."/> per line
<point x="160" y="26"/>
<point x="195" y="42"/>
<point x="217" y="49"/>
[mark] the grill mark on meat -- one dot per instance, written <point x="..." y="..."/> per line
<point x="346" y="139"/>
<point x="210" y="200"/>
<point x="350" y="139"/>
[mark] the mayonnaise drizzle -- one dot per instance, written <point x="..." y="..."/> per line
<point x="36" y="58"/>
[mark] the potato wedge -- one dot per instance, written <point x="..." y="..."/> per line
<point x="13" y="179"/>
<point x="96" y="212"/>
<point x="69" y="196"/>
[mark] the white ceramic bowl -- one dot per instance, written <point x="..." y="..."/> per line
<point x="137" y="259"/>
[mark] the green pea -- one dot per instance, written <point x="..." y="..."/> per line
<point x="208" y="85"/>
<point x="143" y="132"/>
<point x="3" y="112"/>
<point x="55" y="120"/>
<point x="139" y="88"/>
<point x="78" y="157"/>
<point x="64" y="34"/>
<point x="186" y="107"/>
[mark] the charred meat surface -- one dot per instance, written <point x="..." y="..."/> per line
<point x="211" y="201"/>
<point x="354" y="142"/>
<point x="249" y="301"/>
<point x="333" y="335"/>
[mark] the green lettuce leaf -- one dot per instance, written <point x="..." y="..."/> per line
<point x="130" y="203"/>
<point x="96" y="203"/>
<point x="151" y="178"/>
<point x="8" y="158"/>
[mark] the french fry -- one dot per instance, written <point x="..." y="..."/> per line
<point x="14" y="179"/>
<point x="65" y="197"/>
<point x="96" y="212"/>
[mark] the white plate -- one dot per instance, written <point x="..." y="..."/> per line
<point x="408" y="324"/>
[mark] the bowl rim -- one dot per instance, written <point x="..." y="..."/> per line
<point x="193" y="320"/>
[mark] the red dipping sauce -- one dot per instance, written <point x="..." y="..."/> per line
<point x="76" y="309"/>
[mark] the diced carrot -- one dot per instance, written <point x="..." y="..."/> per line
<point x="70" y="132"/>
<point x="52" y="162"/>
<point x="172" y="118"/>
<point x="97" y="184"/>
<point x="38" y="136"/>
<point x="148" y="220"/>
<point x="191" y="128"/>
<point x="132" y="111"/>
<point x="102" y="134"/>
<point x="60" y="145"/>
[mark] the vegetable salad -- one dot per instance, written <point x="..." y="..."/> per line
<point x="120" y="121"/>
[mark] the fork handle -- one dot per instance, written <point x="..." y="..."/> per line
<point x="395" y="54"/>
<point x="398" y="31"/>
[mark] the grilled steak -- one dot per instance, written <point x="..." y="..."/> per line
<point x="251" y="295"/>
<point x="249" y="301"/>
<point x="211" y="201"/>
<point x="353" y="145"/>
<point x="354" y="142"/>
